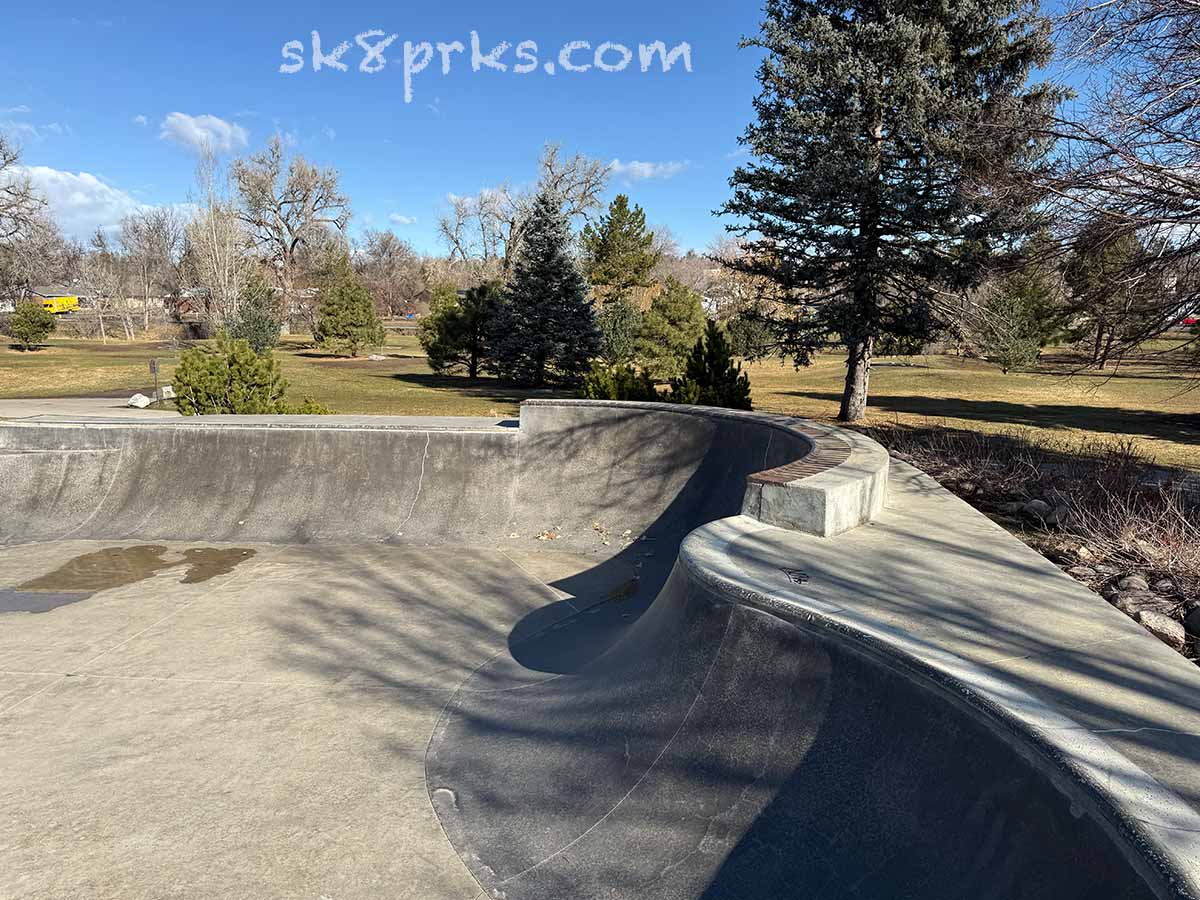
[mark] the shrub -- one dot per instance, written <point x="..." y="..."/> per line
<point x="30" y="324"/>
<point x="619" y="383"/>
<point x="257" y="319"/>
<point x="711" y="377"/>
<point x="228" y="378"/>
<point x="347" y="321"/>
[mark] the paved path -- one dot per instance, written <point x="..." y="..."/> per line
<point x="109" y="407"/>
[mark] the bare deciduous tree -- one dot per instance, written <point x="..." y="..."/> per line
<point x="19" y="204"/>
<point x="285" y="206"/>
<point x="1131" y="166"/>
<point x="106" y="277"/>
<point x="152" y="240"/>
<point x="392" y="271"/>
<point x="487" y="229"/>
<point x="217" y="261"/>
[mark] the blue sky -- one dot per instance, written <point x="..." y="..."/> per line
<point x="91" y="93"/>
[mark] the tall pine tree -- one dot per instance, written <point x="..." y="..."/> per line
<point x="618" y="251"/>
<point x="545" y="331"/>
<point x="885" y="133"/>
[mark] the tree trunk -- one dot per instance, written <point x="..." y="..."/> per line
<point x="858" y="378"/>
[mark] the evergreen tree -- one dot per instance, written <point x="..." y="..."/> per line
<point x="454" y="334"/>
<point x="620" y="324"/>
<point x="711" y="377"/>
<point x="883" y="131"/>
<point x="618" y="251"/>
<point x="545" y="331"/>
<point x="257" y="318"/>
<point x="670" y="329"/>
<point x="30" y="324"/>
<point x="346" y="321"/>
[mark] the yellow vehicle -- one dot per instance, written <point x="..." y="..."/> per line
<point x="60" y="306"/>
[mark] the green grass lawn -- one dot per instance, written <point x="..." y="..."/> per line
<point x="1153" y="402"/>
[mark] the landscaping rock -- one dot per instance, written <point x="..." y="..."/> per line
<point x="1037" y="509"/>
<point x="375" y="357"/>
<point x="1083" y="573"/>
<point x="1085" y="554"/>
<point x="139" y="401"/>
<point x="1134" y="602"/>
<point x="1164" y="628"/>
<point x="1164" y="586"/>
<point x="1133" y="583"/>
<point x="1059" y="515"/>
<point x="1012" y="508"/>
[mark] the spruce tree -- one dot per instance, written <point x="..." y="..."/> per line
<point x="347" y="320"/>
<point x="670" y="328"/>
<point x="545" y="331"/>
<point x="711" y="377"/>
<point x="618" y="251"/>
<point x="454" y="334"/>
<point x="886" y="135"/>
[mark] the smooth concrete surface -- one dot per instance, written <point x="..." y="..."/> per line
<point x="105" y="407"/>
<point x="554" y="661"/>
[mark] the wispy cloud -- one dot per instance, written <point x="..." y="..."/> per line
<point x="140" y="120"/>
<point x="636" y="170"/>
<point x="199" y="132"/>
<point x="35" y="132"/>
<point x="400" y="219"/>
<point x="79" y="201"/>
<point x="15" y="110"/>
<point x="329" y="133"/>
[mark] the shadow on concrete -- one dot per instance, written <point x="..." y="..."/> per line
<point x="689" y="748"/>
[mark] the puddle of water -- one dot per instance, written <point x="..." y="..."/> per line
<point x="208" y="562"/>
<point x="35" y="601"/>
<point x="100" y="570"/>
<point x="115" y="567"/>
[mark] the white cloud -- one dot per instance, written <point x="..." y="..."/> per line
<point x="140" y="120"/>
<point x="35" y="132"/>
<point x="81" y="202"/>
<point x="634" y="170"/>
<point x="198" y="132"/>
<point x="329" y="133"/>
<point x="399" y="219"/>
<point x="16" y="110"/>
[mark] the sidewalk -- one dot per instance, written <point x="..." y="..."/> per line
<point x="107" y="407"/>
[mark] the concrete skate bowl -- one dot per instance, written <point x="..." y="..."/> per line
<point x="714" y="728"/>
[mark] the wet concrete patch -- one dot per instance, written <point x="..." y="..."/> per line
<point x="37" y="601"/>
<point x="115" y="567"/>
